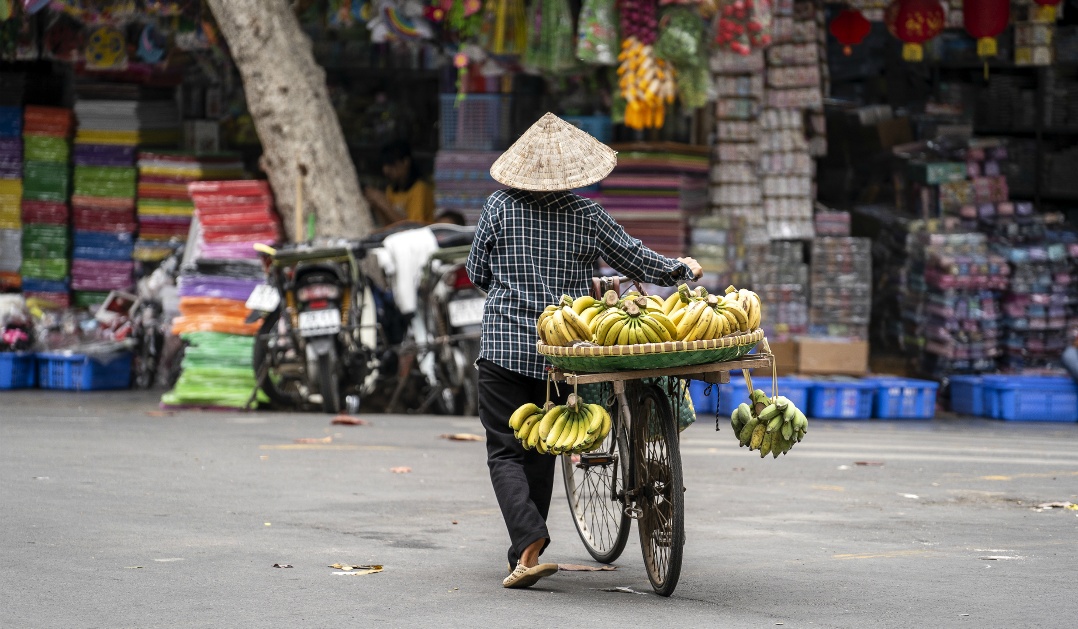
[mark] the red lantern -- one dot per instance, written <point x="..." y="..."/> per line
<point x="985" y="19"/>
<point x="1046" y="10"/>
<point x="850" y="27"/>
<point x="914" y="22"/>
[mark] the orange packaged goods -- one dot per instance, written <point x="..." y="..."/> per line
<point x="51" y="121"/>
<point x="207" y="306"/>
<point x="214" y="323"/>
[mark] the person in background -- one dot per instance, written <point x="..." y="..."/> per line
<point x="452" y="217"/>
<point x="408" y="197"/>
<point x="1070" y="359"/>
<point x="535" y="242"/>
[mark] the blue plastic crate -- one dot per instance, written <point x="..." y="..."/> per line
<point x="794" y="389"/>
<point x="904" y="398"/>
<point x="702" y="403"/>
<point x="967" y="395"/>
<point x="841" y="399"/>
<point x="16" y="370"/>
<point x="1032" y="398"/>
<point x="78" y="372"/>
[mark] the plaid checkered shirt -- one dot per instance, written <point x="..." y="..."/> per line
<point x="532" y="248"/>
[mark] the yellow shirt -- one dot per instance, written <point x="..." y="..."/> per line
<point x="417" y="202"/>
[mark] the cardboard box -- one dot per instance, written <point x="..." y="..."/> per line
<point x="831" y="356"/>
<point x="785" y="353"/>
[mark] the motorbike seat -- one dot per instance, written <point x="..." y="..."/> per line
<point x="449" y="235"/>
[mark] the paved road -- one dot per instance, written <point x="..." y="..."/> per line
<point x="113" y="515"/>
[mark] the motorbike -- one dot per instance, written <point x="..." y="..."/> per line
<point x="317" y="341"/>
<point x="452" y="311"/>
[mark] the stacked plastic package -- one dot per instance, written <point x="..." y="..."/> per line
<point x="654" y="194"/>
<point x="781" y="282"/>
<point x="728" y="250"/>
<point x="10" y="180"/>
<point x="950" y="304"/>
<point x="462" y="182"/>
<point x="217" y="370"/>
<point x="1040" y="299"/>
<point x="165" y="207"/>
<point x="104" y="198"/>
<point x="46" y="268"/>
<point x="840" y="299"/>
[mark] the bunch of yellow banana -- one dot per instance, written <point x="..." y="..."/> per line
<point x="559" y="324"/>
<point x="571" y="427"/>
<point x="768" y="425"/>
<point x="632" y="323"/>
<point x="749" y="302"/>
<point x="646" y="82"/>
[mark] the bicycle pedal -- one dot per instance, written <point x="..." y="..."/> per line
<point x="593" y="460"/>
<point x="634" y="513"/>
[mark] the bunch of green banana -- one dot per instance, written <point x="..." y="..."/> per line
<point x="559" y="324"/>
<point x="632" y="323"/>
<point x="770" y="426"/>
<point x="571" y="427"/>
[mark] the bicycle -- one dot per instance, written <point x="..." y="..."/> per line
<point x="637" y="473"/>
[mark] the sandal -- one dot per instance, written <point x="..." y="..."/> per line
<point x="523" y="576"/>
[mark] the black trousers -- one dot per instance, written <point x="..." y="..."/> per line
<point x="523" y="479"/>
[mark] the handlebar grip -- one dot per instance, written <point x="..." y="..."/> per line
<point x="266" y="249"/>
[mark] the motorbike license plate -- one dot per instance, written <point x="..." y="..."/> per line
<point x="319" y="322"/>
<point x="465" y="312"/>
<point x="264" y="298"/>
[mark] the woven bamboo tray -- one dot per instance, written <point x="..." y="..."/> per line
<point x="597" y="359"/>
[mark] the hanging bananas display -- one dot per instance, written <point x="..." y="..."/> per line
<point x="686" y="315"/>
<point x="646" y="82"/>
<point x="571" y="427"/>
<point x="768" y="425"/>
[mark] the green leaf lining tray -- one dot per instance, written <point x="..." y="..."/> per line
<point x="597" y="358"/>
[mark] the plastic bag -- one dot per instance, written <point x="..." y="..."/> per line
<point x="550" y="48"/>
<point x="597" y="33"/>
<point x="681" y="43"/>
<point x="743" y="25"/>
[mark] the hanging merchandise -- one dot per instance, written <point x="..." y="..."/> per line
<point x="463" y="18"/>
<point x="550" y="48"/>
<point x="1045" y="11"/>
<point x="63" y="39"/>
<point x="985" y="20"/>
<point x="743" y="25"/>
<point x="505" y="28"/>
<point x="597" y="37"/>
<point x="105" y="49"/>
<point x="646" y="84"/>
<point x="681" y="43"/>
<point x="638" y="20"/>
<point x="850" y="28"/>
<point x="151" y="44"/>
<point x="33" y="6"/>
<point x="914" y="22"/>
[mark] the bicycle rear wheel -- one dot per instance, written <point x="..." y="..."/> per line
<point x="660" y="489"/>
<point x="595" y="486"/>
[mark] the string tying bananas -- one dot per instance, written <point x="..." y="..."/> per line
<point x="573" y="427"/>
<point x="771" y="426"/>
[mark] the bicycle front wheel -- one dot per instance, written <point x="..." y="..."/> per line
<point x="660" y="489"/>
<point x="595" y="486"/>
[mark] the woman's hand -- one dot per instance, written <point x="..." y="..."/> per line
<point x="697" y="270"/>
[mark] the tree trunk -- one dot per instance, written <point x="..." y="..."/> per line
<point x="301" y="136"/>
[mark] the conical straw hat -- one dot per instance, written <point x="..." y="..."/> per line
<point x="554" y="155"/>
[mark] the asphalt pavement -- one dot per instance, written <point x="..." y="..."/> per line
<point x="115" y="514"/>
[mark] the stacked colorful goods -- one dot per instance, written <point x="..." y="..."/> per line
<point x="728" y="250"/>
<point x="654" y="193"/>
<point x="10" y="192"/>
<point x="164" y="205"/>
<point x="840" y="300"/>
<point x="950" y="304"/>
<point x="462" y="182"/>
<point x="45" y="215"/>
<point x="735" y="188"/>
<point x="1039" y="301"/>
<point x="217" y="371"/>
<point x="781" y="282"/>
<point x="104" y="198"/>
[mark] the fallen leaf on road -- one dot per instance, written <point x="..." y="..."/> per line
<point x="356" y="570"/>
<point x="282" y="565"/>
<point x="462" y="436"/>
<point x="400" y="470"/>
<point x="575" y="567"/>
<point x="454" y="521"/>
<point x="621" y="590"/>
<point x="345" y="420"/>
<point x="869" y="463"/>
<point x="913" y="496"/>
<point x="160" y="413"/>
<point x="313" y="440"/>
